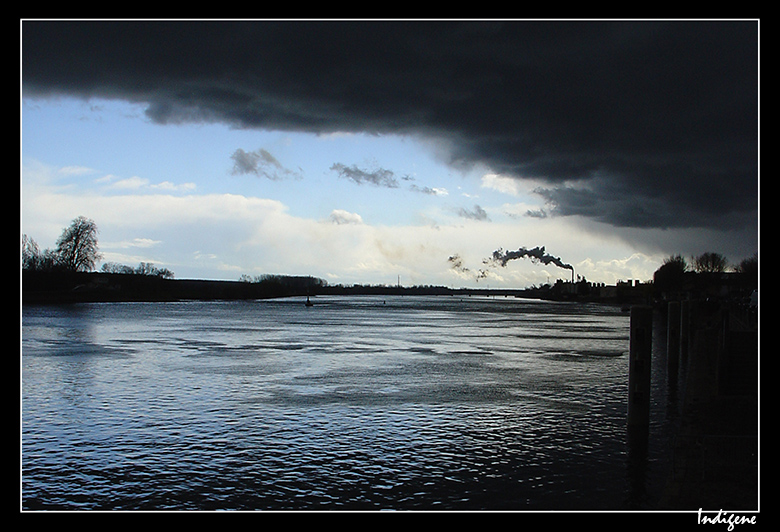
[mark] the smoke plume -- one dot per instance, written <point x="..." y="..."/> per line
<point x="501" y="257"/>
<point x="537" y="254"/>
<point x="457" y="263"/>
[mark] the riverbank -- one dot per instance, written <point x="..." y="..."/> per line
<point x="93" y="287"/>
<point x="61" y="287"/>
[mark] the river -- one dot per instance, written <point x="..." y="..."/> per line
<point x="357" y="403"/>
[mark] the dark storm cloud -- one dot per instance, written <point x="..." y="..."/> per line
<point x="636" y="124"/>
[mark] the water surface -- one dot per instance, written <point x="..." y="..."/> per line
<point x="357" y="403"/>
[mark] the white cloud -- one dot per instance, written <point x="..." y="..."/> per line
<point x="504" y="185"/>
<point x="134" y="243"/>
<point x="635" y="266"/>
<point x="140" y="183"/>
<point x="134" y="182"/>
<point x="431" y="191"/>
<point x="341" y="217"/>
<point x="198" y="255"/>
<point x="171" y="187"/>
<point x="76" y="170"/>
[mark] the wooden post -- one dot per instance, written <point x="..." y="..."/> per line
<point x="673" y="339"/>
<point x="641" y="343"/>
<point x="685" y="329"/>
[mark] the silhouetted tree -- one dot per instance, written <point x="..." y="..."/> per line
<point x="113" y="267"/>
<point x="30" y="254"/>
<point x="34" y="259"/>
<point x="669" y="277"/>
<point x="748" y="268"/>
<point x="144" y="268"/>
<point x="748" y="265"/>
<point x="710" y="263"/>
<point x="77" y="247"/>
<point x="165" y="273"/>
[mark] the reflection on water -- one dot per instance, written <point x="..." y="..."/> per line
<point x="355" y="403"/>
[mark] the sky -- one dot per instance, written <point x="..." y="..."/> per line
<point x="373" y="152"/>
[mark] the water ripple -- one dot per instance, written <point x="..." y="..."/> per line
<point x="419" y="403"/>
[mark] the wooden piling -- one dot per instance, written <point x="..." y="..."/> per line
<point x="640" y="350"/>
<point x="685" y="329"/>
<point x="673" y="338"/>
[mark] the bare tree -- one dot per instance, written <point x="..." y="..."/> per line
<point x="113" y="267"/>
<point x="31" y="254"/>
<point x="748" y="269"/>
<point x="35" y="259"/>
<point x="144" y="268"/>
<point x="77" y="247"/>
<point x="748" y="265"/>
<point x="710" y="263"/>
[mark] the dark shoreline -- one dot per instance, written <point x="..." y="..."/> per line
<point x="93" y="287"/>
<point x="40" y="288"/>
<point x="56" y="288"/>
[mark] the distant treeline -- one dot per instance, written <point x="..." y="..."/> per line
<point x="316" y="286"/>
<point x="73" y="287"/>
<point x="286" y="282"/>
<point x="57" y="286"/>
<point x="704" y="273"/>
<point x="144" y="268"/>
<point x="339" y="290"/>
